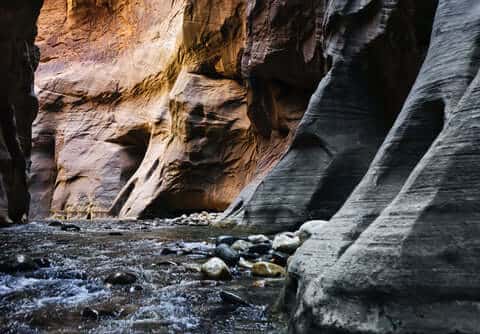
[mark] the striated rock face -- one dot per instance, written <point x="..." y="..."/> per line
<point x="18" y="104"/>
<point x="350" y="112"/>
<point x="401" y="256"/>
<point x="155" y="107"/>
<point x="146" y="109"/>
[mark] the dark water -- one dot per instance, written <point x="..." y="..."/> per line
<point x="172" y="299"/>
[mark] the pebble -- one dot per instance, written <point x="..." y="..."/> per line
<point x="224" y="252"/>
<point x="245" y="264"/>
<point x="195" y="219"/>
<point x="259" y="284"/>
<point x="261" y="249"/>
<point x="121" y="278"/>
<point x="136" y="288"/>
<point x="241" y="245"/>
<point x="267" y="269"/>
<point x="250" y="256"/>
<point x="195" y="267"/>
<point x="258" y="238"/>
<point x="286" y="242"/>
<point x="225" y="239"/>
<point x="216" y="269"/>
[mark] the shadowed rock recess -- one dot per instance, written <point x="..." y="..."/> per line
<point x="18" y="104"/>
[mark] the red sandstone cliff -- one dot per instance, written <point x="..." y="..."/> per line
<point x="160" y="107"/>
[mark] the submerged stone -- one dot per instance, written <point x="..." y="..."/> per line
<point x="121" y="278"/>
<point x="18" y="263"/>
<point x="90" y="313"/>
<point x="55" y="223"/>
<point x="70" y="228"/>
<point x="233" y="299"/>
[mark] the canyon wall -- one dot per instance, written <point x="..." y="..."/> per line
<point x="152" y="108"/>
<point x="18" y="104"/>
<point x="401" y="255"/>
<point x="349" y="114"/>
<point x="158" y="107"/>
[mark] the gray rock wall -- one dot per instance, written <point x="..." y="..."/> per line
<point x="401" y="256"/>
<point x="348" y="115"/>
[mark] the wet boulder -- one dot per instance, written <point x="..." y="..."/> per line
<point x="286" y="242"/>
<point x="225" y="239"/>
<point x="262" y="248"/>
<point x="245" y="264"/>
<point x="310" y="227"/>
<point x="224" y="252"/>
<point x="241" y="245"/>
<point x="216" y="269"/>
<point x="250" y="255"/>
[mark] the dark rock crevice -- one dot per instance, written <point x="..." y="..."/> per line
<point x="18" y="105"/>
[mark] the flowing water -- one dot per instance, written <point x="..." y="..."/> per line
<point x="168" y="297"/>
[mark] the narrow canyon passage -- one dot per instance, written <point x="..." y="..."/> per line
<point x="237" y="166"/>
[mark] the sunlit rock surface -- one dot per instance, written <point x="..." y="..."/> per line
<point x="18" y="104"/>
<point x="145" y="110"/>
